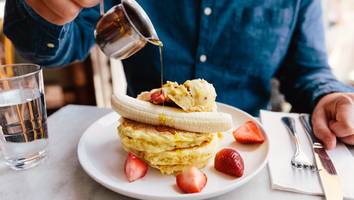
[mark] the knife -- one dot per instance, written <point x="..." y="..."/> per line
<point x="330" y="180"/>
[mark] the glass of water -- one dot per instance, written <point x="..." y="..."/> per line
<point x="23" y="116"/>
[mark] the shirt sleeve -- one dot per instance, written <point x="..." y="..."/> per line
<point x="305" y="75"/>
<point x="48" y="44"/>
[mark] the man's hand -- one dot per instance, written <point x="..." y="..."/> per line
<point x="333" y="118"/>
<point x="60" y="12"/>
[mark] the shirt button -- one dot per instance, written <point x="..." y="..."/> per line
<point x="50" y="45"/>
<point x="203" y="58"/>
<point x="207" y="11"/>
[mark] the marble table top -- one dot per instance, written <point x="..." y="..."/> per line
<point x="61" y="177"/>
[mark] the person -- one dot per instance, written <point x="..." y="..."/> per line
<point x="236" y="45"/>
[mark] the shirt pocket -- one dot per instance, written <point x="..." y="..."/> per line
<point x="259" y="39"/>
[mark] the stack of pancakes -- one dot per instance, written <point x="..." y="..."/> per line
<point x="168" y="149"/>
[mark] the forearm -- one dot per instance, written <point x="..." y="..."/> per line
<point x="305" y="75"/>
<point x="304" y="86"/>
<point x="43" y="42"/>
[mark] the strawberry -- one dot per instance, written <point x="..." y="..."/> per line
<point x="249" y="133"/>
<point x="157" y="97"/>
<point x="191" y="180"/>
<point x="134" y="168"/>
<point x="229" y="161"/>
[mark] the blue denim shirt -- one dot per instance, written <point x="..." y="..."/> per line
<point x="236" y="45"/>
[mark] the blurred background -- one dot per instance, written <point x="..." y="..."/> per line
<point x="92" y="81"/>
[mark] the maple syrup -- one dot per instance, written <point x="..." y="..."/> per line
<point x="158" y="43"/>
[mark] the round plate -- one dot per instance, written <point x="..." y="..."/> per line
<point x="102" y="157"/>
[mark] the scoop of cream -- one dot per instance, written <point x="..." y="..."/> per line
<point x="192" y="96"/>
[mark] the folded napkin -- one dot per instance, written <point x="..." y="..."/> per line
<point x="284" y="176"/>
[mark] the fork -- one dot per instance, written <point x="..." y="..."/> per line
<point x="299" y="159"/>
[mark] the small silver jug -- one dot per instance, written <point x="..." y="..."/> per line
<point x="124" y="30"/>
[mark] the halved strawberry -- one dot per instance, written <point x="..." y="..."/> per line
<point x="157" y="97"/>
<point x="229" y="161"/>
<point x="249" y="133"/>
<point x="191" y="180"/>
<point x="134" y="168"/>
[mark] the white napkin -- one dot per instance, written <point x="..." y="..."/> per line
<point x="284" y="176"/>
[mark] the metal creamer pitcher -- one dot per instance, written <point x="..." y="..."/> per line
<point x="124" y="30"/>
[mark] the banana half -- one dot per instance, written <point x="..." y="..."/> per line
<point x="146" y="112"/>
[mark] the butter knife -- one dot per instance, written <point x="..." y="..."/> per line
<point x="330" y="180"/>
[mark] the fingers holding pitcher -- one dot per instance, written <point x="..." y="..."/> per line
<point x="60" y="12"/>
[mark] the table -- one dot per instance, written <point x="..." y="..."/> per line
<point x="61" y="177"/>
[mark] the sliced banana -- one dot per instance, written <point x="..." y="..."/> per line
<point x="146" y="112"/>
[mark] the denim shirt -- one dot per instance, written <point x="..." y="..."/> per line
<point x="236" y="45"/>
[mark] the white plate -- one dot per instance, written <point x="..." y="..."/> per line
<point x="102" y="157"/>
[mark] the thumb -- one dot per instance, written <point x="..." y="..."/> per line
<point x="343" y="124"/>
<point x="321" y="129"/>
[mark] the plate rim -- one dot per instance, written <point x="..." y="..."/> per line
<point x="92" y="171"/>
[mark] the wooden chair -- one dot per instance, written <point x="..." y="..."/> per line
<point x="7" y="52"/>
<point x="108" y="77"/>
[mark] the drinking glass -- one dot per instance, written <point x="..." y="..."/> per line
<point x="23" y="116"/>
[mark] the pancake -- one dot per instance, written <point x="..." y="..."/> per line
<point x="175" y="169"/>
<point x="155" y="139"/>
<point x="174" y="161"/>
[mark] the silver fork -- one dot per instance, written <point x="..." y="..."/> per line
<point x="299" y="159"/>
